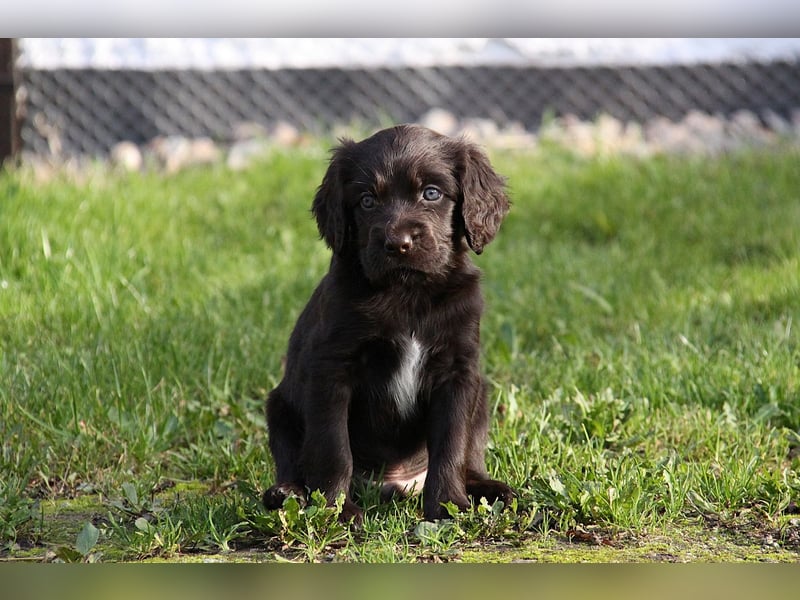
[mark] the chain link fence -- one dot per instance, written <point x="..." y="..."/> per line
<point x="67" y="112"/>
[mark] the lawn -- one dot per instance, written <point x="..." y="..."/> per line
<point x="641" y="339"/>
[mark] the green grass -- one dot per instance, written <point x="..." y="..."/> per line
<point x="641" y="337"/>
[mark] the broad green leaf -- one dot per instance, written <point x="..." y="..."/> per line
<point x="87" y="539"/>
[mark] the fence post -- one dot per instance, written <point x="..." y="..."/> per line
<point x="9" y="126"/>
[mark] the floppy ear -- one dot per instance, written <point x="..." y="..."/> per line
<point x="483" y="200"/>
<point x="328" y="206"/>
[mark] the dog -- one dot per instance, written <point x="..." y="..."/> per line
<point x="382" y="370"/>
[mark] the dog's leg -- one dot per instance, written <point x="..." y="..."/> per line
<point x="326" y="458"/>
<point x="447" y="444"/>
<point x="285" y="439"/>
<point x="479" y="484"/>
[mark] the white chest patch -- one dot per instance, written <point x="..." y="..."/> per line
<point x="404" y="384"/>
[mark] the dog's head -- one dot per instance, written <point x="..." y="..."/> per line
<point x="407" y="199"/>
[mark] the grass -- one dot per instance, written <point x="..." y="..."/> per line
<point x="640" y="338"/>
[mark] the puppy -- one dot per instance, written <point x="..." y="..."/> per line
<point x="382" y="374"/>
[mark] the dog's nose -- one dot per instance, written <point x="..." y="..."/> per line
<point x="398" y="243"/>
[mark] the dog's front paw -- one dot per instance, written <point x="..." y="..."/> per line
<point x="491" y="489"/>
<point x="435" y="507"/>
<point x="352" y="514"/>
<point x="273" y="497"/>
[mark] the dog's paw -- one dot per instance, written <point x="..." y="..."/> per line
<point x="351" y="514"/>
<point x="491" y="489"/>
<point x="435" y="509"/>
<point x="273" y="497"/>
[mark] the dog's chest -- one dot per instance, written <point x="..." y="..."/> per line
<point x="404" y="383"/>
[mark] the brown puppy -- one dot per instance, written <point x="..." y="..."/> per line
<point x="382" y="373"/>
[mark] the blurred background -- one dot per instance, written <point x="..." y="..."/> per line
<point x="62" y="98"/>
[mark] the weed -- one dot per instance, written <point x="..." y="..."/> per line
<point x="439" y="537"/>
<point x="315" y="527"/>
<point x="81" y="551"/>
<point x="16" y="509"/>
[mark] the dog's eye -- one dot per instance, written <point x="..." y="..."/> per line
<point x="431" y="193"/>
<point x="367" y="201"/>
